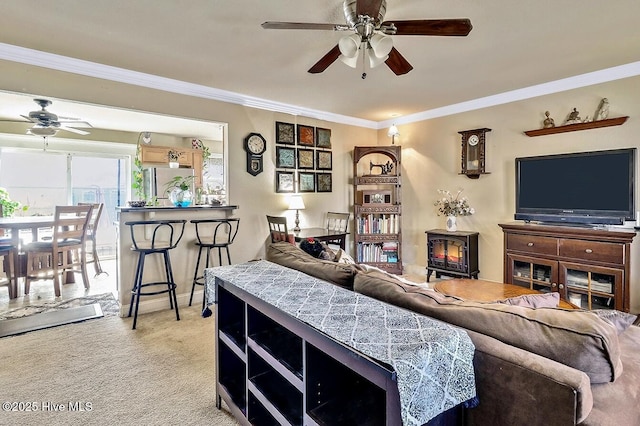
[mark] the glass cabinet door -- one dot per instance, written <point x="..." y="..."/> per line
<point x="591" y="287"/>
<point x="530" y="272"/>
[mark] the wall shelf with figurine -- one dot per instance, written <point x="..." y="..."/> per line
<point x="577" y="126"/>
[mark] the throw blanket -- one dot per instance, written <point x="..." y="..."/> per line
<point x="432" y="359"/>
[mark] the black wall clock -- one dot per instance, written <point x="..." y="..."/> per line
<point x="473" y="152"/>
<point x="255" y="145"/>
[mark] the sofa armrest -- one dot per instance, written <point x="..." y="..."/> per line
<point x="517" y="387"/>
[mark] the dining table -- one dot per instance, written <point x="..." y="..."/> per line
<point x="17" y="227"/>
<point x="322" y="234"/>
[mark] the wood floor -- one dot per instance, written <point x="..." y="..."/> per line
<point x="42" y="291"/>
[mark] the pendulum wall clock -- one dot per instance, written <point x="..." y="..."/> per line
<point x="473" y="152"/>
<point x="255" y="145"/>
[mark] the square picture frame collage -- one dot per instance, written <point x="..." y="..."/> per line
<point x="304" y="159"/>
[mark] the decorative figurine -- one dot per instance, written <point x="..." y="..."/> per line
<point x="603" y="110"/>
<point x="548" y="122"/>
<point x="385" y="169"/>
<point x="573" y="117"/>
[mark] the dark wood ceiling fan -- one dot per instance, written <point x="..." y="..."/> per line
<point x="365" y="19"/>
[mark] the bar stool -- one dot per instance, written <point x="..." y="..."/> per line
<point x="212" y="234"/>
<point x="164" y="236"/>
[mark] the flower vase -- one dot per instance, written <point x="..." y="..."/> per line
<point x="181" y="198"/>
<point x="451" y="224"/>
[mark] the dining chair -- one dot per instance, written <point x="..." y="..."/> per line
<point x="278" y="230"/>
<point x="8" y="253"/>
<point x="338" y="222"/>
<point x="92" y="229"/>
<point x="64" y="252"/>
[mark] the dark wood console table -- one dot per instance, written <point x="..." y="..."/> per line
<point x="293" y="349"/>
<point x="588" y="267"/>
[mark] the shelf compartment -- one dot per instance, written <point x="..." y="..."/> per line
<point x="257" y="414"/>
<point x="231" y="315"/>
<point x="273" y="389"/>
<point x="233" y="376"/>
<point x="278" y="342"/>
<point x="336" y="395"/>
<point x="577" y="126"/>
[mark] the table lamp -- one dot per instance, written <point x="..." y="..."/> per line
<point x="296" y="203"/>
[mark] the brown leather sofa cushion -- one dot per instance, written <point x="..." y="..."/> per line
<point x="578" y="339"/>
<point x="292" y="256"/>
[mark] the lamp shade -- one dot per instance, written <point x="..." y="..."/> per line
<point x="296" y="202"/>
<point x="374" y="60"/>
<point x="381" y="45"/>
<point x="349" y="45"/>
<point x="393" y="131"/>
<point x="352" y="62"/>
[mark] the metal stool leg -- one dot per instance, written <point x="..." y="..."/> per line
<point x="195" y="275"/>
<point x="138" y="291"/>
<point x="171" y="284"/>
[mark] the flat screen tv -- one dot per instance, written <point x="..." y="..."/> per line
<point x="594" y="187"/>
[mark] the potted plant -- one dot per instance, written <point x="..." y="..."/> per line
<point x="9" y="206"/>
<point x="179" y="190"/>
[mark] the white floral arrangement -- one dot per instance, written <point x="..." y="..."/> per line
<point x="449" y="205"/>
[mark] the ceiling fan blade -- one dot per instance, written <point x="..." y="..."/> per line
<point x="368" y="7"/>
<point x="432" y="27"/>
<point x="72" y="130"/>
<point x="76" y="123"/>
<point x="397" y="63"/>
<point x="26" y="117"/>
<point x="325" y="61"/>
<point x="273" y="25"/>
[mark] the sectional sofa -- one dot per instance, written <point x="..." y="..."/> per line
<point x="542" y="366"/>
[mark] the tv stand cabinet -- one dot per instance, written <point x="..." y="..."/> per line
<point x="588" y="267"/>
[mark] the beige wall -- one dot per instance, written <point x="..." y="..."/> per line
<point x="431" y="156"/>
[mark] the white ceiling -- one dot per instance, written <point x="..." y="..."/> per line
<point x="221" y="45"/>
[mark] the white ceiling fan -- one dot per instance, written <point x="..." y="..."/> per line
<point x="48" y="124"/>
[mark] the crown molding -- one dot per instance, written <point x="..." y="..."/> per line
<point x="91" y="69"/>
<point x="575" y="82"/>
<point x="106" y="72"/>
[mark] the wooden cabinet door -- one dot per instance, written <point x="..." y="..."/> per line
<point x="154" y="155"/>
<point x="531" y="272"/>
<point x="598" y="287"/>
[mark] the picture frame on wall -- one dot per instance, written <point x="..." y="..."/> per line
<point x="285" y="182"/>
<point x="323" y="137"/>
<point x="305" y="158"/>
<point x="323" y="182"/>
<point x="285" y="157"/>
<point x="323" y="160"/>
<point x="306" y="135"/>
<point x="306" y="182"/>
<point x="285" y="133"/>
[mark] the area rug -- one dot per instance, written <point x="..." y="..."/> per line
<point x="108" y="304"/>
<point x="15" y="326"/>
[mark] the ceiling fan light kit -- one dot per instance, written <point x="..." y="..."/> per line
<point x="365" y="19"/>
<point x="47" y="123"/>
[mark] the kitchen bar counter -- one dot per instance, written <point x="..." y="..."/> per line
<point x="183" y="257"/>
<point x="166" y="208"/>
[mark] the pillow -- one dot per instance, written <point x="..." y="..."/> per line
<point x="546" y="300"/>
<point x="276" y="236"/>
<point x="293" y="257"/>
<point x="620" y="320"/>
<point x="343" y="257"/>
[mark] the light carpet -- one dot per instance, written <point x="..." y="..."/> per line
<point x="163" y="373"/>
